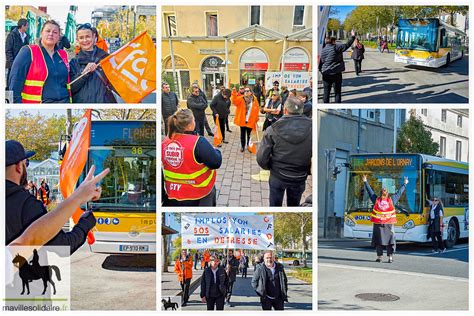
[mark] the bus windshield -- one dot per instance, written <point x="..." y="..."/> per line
<point x="384" y="172"/>
<point x="418" y="35"/>
<point x="131" y="183"/>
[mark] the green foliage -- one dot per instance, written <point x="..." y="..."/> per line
<point x="177" y="248"/>
<point x="125" y="114"/>
<point x="168" y="78"/>
<point x="304" y="274"/>
<point x="334" y="24"/>
<point x="415" y="138"/>
<point x="292" y="227"/>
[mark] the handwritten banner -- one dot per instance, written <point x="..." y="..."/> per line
<point x="291" y="79"/>
<point x="220" y="231"/>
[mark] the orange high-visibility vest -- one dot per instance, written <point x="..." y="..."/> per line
<point x="383" y="212"/>
<point x="37" y="75"/>
<point x="185" y="178"/>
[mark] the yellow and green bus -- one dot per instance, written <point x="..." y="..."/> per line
<point x="428" y="42"/>
<point x="428" y="177"/>
<point x="126" y="211"/>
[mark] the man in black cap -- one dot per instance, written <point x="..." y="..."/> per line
<point x="22" y="209"/>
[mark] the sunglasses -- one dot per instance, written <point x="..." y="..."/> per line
<point x="246" y="90"/>
<point x="85" y="26"/>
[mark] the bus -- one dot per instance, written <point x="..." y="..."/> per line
<point x="428" y="177"/>
<point x="126" y="210"/>
<point x="428" y="42"/>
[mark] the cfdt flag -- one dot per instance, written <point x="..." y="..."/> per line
<point x="132" y="69"/>
<point x="74" y="161"/>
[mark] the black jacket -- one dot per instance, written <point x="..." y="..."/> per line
<point x="435" y="223"/>
<point x="285" y="149"/>
<point x="259" y="280"/>
<point x="13" y="44"/>
<point x="22" y="209"/>
<point x="332" y="60"/>
<point x="358" y="54"/>
<point x="169" y="104"/>
<point x="207" y="278"/>
<point x="197" y="104"/>
<point x="90" y="88"/>
<point x="220" y="106"/>
<point x="231" y="266"/>
<point x="308" y="109"/>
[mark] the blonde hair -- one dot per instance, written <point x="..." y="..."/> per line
<point x="178" y="122"/>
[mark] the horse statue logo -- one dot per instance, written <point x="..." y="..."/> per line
<point x="33" y="271"/>
<point x="168" y="304"/>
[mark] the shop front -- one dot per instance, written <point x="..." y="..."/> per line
<point x="212" y="75"/>
<point x="253" y="66"/>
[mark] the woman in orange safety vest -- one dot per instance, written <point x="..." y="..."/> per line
<point x="189" y="164"/>
<point x="40" y="73"/>
<point x="384" y="218"/>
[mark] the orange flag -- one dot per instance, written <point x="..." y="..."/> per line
<point x="132" y="69"/>
<point x="74" y="161"/>
<point x="252" y="145"/>
<point x="217" y="133"/>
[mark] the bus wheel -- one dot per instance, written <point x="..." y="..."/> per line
<point x="296" y="263"/>
<point x="453" y="233"/>
<point x="448" y="60"/>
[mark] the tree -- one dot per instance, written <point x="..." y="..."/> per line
<point x="415" y="138"/>
<point x="453" y="10"/>
<point x="125" y="114"/>
<point x="334" y="24"/>
<point x="293" y="228"/>
<point x="177" y="248"/>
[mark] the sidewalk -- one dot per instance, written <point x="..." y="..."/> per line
<point x="170" y="285"/>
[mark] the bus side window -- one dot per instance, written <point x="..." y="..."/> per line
<point x="443" y="39"/>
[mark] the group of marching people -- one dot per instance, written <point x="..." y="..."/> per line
<point x="43" y="73"/>
<point x="220" y="274"/>
<point x="189" y="177"/>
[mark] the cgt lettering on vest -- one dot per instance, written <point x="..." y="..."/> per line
<point x="175" y="186"/>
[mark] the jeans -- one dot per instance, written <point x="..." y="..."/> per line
<point x="379" y="249"/>
<point x="222" y="126"/>
<point x="185" y="290"/>
<point x="218" y="302"/>
<point x="267" y="304"/>
<point x="199" y="125"/>
<point x="358" y="66"/>
<point x="294" y="191"/>
<point x="328" y="82"/>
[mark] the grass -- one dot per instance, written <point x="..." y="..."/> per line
<point x="303" y="274"/>
<point x="374" y="45"/>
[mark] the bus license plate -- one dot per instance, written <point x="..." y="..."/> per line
<point x="134" y="248"/>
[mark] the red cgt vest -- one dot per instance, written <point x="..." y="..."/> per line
<point x="37" y="75"/>
<point x="383" y="212"/>
<point x="185" y="178"/>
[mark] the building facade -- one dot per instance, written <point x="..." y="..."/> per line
<point x="449" y="128"/>
<point x="340" y="134"/>
<point x="224" y="45"/>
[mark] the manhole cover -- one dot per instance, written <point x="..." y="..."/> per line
<point x="377" y="297"/>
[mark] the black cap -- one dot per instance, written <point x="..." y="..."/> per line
<point x="15" y="152"/>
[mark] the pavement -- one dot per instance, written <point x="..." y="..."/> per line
<point x="347" y="268"/>
<point x="244" y="297"/>
<point x="240" y="181"/>
<point x="170" y="285"/>
<point x="384" y="81"/>
<point x="112" y="282"/>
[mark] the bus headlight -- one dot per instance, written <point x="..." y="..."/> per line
<point x="409" y="225"/>
<point x="349" y="222"/>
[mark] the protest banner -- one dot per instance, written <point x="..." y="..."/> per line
<point x="221" y="231"/>
<point x="291" y="79"/>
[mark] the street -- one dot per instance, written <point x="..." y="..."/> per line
<point x="384" y="81"/>
<point x="244" y="297"/>
<point x="416" y="280"/>
<point x="112" y="282"/>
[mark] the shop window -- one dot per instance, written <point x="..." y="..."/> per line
<point x="211" y="22"/>
<point x="255" y="15"/>
<point x="298" y="15"/>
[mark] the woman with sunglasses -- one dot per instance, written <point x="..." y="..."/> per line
<point x="435" y="224"/>
<point x="246" y="114"/>
<point x="40" y="73"/>
<point x="93" y="86"/>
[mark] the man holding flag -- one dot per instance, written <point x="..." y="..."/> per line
<point x="286" y="151"/>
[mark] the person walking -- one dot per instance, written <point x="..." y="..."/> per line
<point x="16" y="39"/>
<point x="220" y="106"/>
<point x="169" y="104"/>
<point x="206" y="123"/>
<point x="246" y="115"/>
<point x="384" y="45"/>
<point x="244" y="264"/>
<point x="271" y="283"/>
<point x="285" y="150"/>
<point x="231" y="266"/>
<point x="183" y="267"/>
<point x="196" y="259"/>
<point x="43" y="193"/>
<point x="332" y="66"/>
<point x="214" y="284"/>
<point x="32" y="188"/>
<point x="207" y="258"/>
<point x="384" y="217"/>
<point x="197" y="104"/>
<point x="435" y="224"/>
<point x="189" y="164"/>
<point x="273" y="110"/>
<point x="40" y="73"/>
<point x="93" y="85"/>
<point x="357" y="55"/>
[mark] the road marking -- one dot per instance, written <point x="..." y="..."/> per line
<point x="398" y="272"/>
<point x="436" y="253"/>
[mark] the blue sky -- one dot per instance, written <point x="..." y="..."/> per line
<point x="343" y="11"/>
